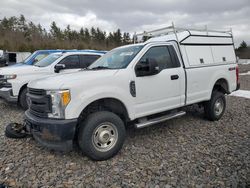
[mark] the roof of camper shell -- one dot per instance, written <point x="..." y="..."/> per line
<point x="189" y="37"/>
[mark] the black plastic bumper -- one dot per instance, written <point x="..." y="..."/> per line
<point x="52" y="133"/>
<point x="6" y="93"/>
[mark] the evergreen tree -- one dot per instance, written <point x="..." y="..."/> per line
<point x="126" y="38"/>
<point x="243" y="45"/>
<point x="55" y="31"/>
<point x="117" y="37"/>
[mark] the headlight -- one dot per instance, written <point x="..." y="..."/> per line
<point x="59" y="102"/>
<point x="9" y="77"/>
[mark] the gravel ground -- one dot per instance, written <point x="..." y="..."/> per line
<point x="185" y="152"/>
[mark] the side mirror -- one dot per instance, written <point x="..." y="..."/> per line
<point x="147" y="68"/>
<point x="59" y="67"/>
<point x="35" y="60"/>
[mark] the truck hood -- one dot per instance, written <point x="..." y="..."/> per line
<point x="18" y="64"/>
<point x="69" y="80"/>
<point x="25" y="69"/>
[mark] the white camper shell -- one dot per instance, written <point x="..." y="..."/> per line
<point x="198" y="47"/>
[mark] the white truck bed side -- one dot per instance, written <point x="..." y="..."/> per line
<point x="207" y="59"/>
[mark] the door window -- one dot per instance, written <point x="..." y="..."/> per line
<point x="162" y="56"/>
<point x="87" y="60"/>
<point x="71" y="62"/>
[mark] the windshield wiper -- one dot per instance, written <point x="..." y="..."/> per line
<point x="99" y="68"/>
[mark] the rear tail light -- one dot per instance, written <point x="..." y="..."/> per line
<point x="237" y="74"/>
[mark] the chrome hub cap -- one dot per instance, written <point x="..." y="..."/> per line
<point x="218" y="107"/>
<point x="105" y="137"/>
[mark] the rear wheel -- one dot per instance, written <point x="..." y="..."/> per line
<point x="215" y="108"/>
<point x="23" y="99"/>
<point x="101" y="135"/>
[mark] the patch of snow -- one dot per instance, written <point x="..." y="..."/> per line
<point x="244" y="61"/>
<point x="241" y="93"/>
<point x="244" y="74"/>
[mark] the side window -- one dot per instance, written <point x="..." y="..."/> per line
<point x="71" y="62"/>
<point x="161" y="55"/>
<point x="86" y="60"/>
<point x="174" y="57"/>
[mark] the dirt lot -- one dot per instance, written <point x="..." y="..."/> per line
<point x="185" y="152"/>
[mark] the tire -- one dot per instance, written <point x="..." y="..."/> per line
<point x="11" y="133"/>
<point x="215" y="108"/>
<point x="101" y="135"/>
<point x="23" y="99"/>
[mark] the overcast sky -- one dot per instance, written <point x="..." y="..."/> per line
<point x="135" y="15"/>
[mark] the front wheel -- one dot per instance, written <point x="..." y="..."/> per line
<point x="101" y="135"/>
<point x="23" y="99"/>
<point x="215" y="108"/>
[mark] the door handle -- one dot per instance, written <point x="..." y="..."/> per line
<point x="174" y="77"/>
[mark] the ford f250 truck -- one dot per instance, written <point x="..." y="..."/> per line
<point x="14" y="79"/>
<point x="142" y="84"/>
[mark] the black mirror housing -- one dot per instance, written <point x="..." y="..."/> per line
<point x="59" y="67"/>
<point x="147" y="68"/>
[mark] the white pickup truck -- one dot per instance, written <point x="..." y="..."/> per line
<point x="14" y="79"/>
<point x="143" y="84"/>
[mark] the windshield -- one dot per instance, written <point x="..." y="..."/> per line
<point x="29" y="58"/>
<point x="47" y="60"/>
<point x="117" y="59"/>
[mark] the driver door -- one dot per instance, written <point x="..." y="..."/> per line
<point x="72" y="64"/>
<point x="162" y="91"/>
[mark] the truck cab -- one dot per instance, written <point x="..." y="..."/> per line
<point x="142" y="84"/>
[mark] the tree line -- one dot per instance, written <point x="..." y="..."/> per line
<point x="243" y="51"/>
<point x="18" y="34"/>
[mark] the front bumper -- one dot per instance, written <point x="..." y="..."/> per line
<point x="6" y="93"/>
<point x="51" y="133"/>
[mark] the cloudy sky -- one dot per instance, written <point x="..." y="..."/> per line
<point x="135" y="15"/>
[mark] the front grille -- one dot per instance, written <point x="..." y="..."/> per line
<point x="4" y="83"/>
<point x="33" y="91"/>
<point x="2" y="79"/>
<point x="39" y="102"/>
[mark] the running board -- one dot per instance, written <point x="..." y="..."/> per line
<point x="159" y="119"/>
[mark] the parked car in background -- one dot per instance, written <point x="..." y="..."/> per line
<point x="143" y="84"/>
<point x="40" y="54"/>
<point x="14" y="79"/>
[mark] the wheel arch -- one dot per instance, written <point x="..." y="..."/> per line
<point x="221" y="85"/>
<point x="21" y="89"/>
<point x="107" y="104"/>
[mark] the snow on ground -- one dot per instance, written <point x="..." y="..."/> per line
<point x="241" y="93"/>
<point x="244" y="74"/>
<point x="244" y="61"/>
